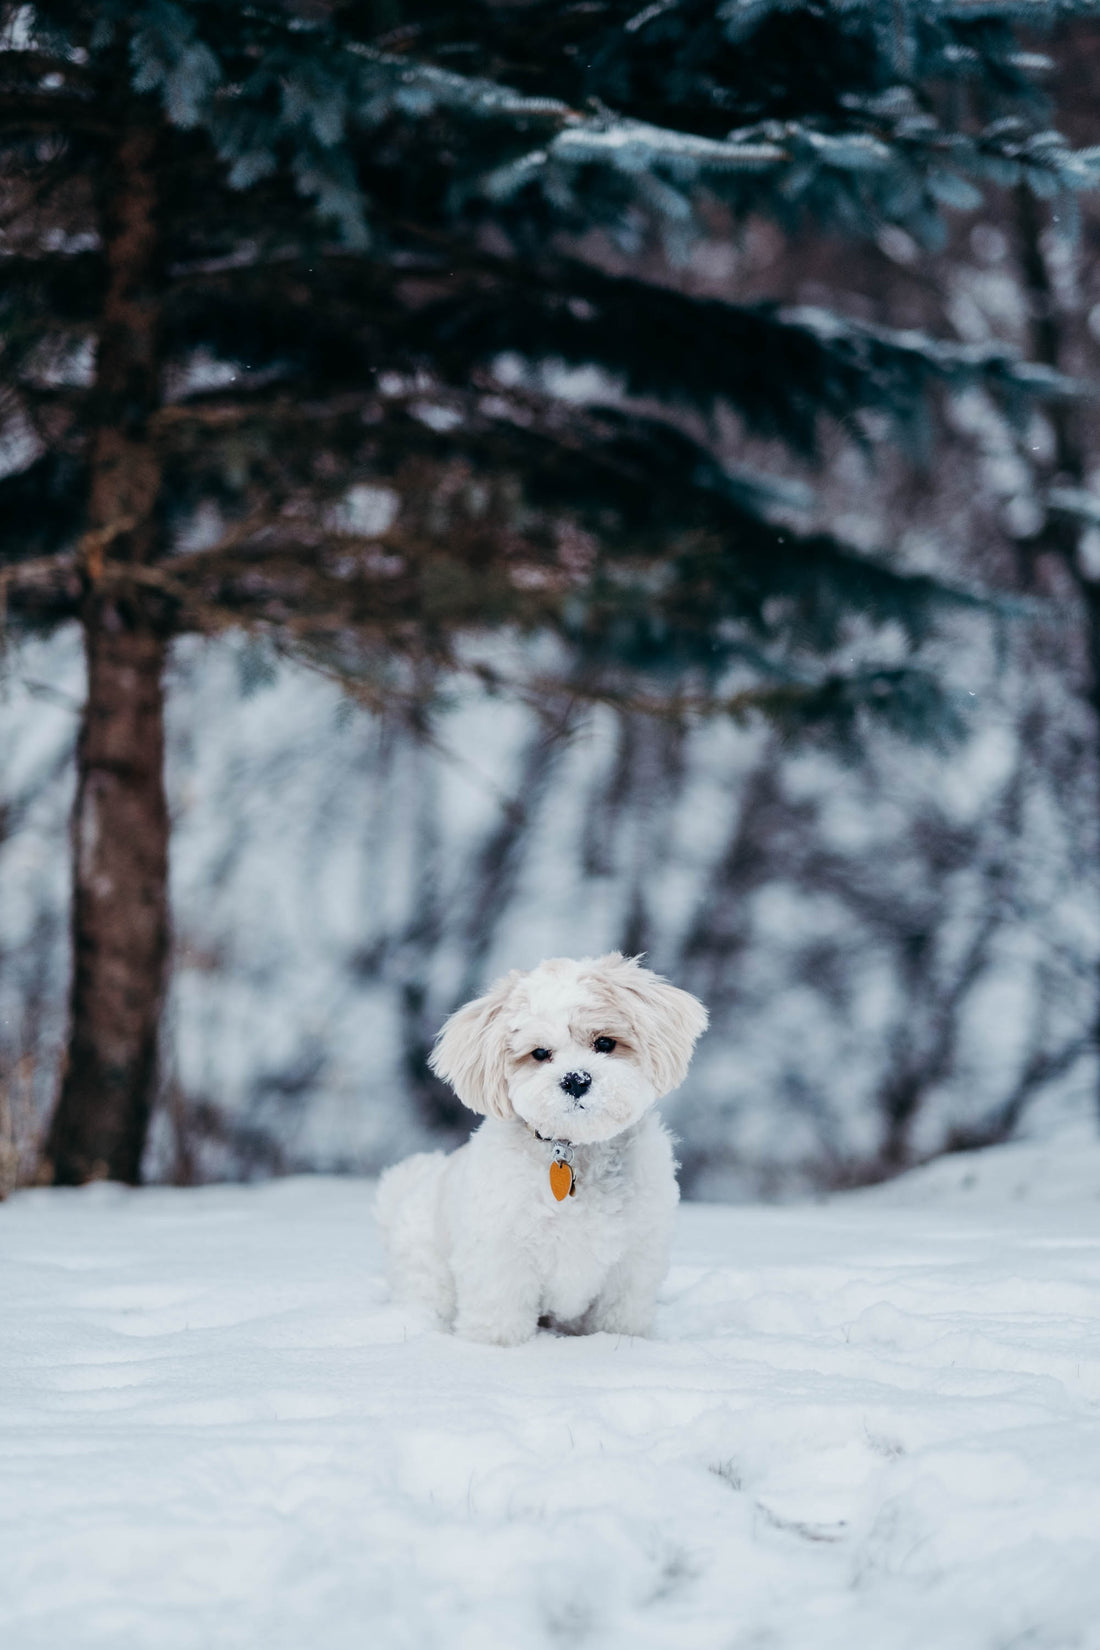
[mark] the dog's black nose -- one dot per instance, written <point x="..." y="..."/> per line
<point x="577" y="1083"/>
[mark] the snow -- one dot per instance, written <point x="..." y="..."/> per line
<point x="871" y="1421"/>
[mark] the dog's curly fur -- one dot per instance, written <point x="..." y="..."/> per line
<point x="478" y="1235"/>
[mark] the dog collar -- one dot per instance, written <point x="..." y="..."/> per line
<point x="563" y="1179"/>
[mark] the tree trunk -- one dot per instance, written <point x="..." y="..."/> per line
<point x="120" y="912"/>
<point x="120" y="819"/>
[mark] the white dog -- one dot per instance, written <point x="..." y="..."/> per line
<point x="560" y="1206"/>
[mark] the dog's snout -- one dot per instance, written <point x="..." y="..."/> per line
<point x="577" y="1083"/>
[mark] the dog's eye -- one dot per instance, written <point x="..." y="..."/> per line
<point x="604" y="1045"/>
<point x="541" y="1054"/>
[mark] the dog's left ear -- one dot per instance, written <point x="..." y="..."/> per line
<point x="667" y="1022"/>
<point x="470" y="1052"/>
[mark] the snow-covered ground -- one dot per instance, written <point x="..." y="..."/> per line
<point x="868" y="1423"/>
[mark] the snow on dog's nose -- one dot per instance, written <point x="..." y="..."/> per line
<point x="577" y="1083"/>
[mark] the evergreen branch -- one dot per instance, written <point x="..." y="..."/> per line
<point x="396" y="85"/>
<point x="907" y="701"/>
<point x="49" y="583"/>
<point x="782" y="369"/>
<point x="304" y="104"/>
<point x="647" y="490"/>
<point x="14" y="574"/>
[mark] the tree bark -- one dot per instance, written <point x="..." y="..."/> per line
<point x="120" y="817"/>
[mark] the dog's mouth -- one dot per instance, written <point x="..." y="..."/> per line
<point x="605" y="1105"/>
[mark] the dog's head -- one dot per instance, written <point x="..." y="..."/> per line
<point x="578" y="1049"/>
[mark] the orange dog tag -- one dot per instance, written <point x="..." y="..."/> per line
<point x="561" y="1180"/>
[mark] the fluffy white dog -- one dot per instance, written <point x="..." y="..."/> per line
<point x="560" y="1206"/>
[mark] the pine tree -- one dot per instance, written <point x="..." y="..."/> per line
<point x="266" y="265"/>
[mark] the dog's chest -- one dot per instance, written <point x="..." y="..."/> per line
<point x="584" y="1236"/>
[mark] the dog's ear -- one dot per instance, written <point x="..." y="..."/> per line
<point x="667" y="1022"/>
<point x="471" y="1051"/>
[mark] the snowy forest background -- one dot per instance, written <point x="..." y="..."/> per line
<point x="898" y="941"/>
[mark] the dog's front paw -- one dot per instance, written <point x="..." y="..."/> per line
<point x="623" y="1315"/>
<point x="624" y="1323"/>
<point x="495" y="1331"/>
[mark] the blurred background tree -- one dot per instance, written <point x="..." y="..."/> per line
<point x="377" y="332"/>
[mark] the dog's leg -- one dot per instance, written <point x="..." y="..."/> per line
<point x="406" y="1208"/>
<point x="628" y="1300"/>
<point x="627" y="1303"/>
<point x="495" y="1303"/>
